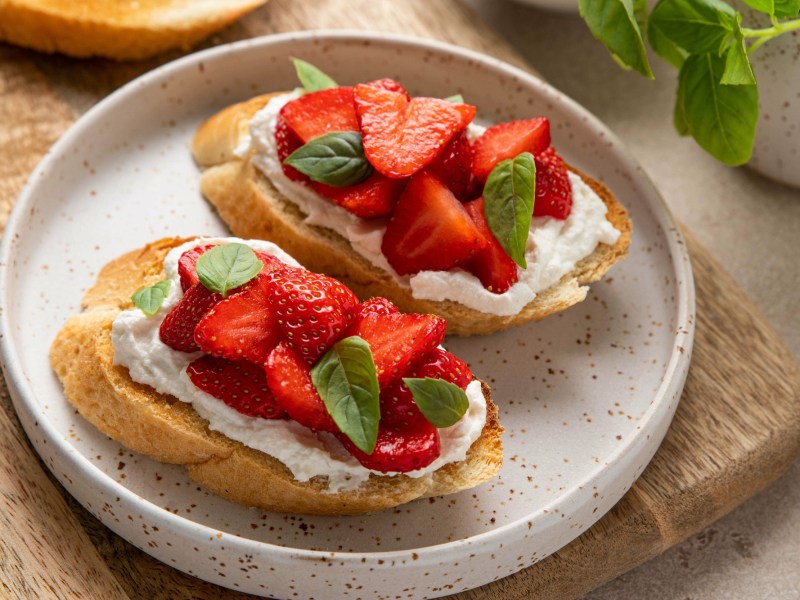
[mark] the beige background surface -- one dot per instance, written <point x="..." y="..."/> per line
<point x="752" y="226"/>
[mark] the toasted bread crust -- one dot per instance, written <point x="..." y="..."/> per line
<point x="113" y="30"/>
<point x="252" y="207"/>
<point x="171" y="431"/>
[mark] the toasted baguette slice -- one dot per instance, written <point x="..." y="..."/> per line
<point x="113" y="28"/>
<point x="171" y="431"/>
<point x="252" y="207"/>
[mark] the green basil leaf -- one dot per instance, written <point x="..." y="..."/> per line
<point x="227" y="266"/>
<point x="346" y="380"/>
<point x="787" y="8"/>
<point x="679" y="114"/>
<point x="311" y="77"/>
<point x="614" y="23"/>
<point x="765" y="6"/>
<point x="697" y="26"/>
<point x="441" y="402"/>
<point x="738" y="70"/>
<point x="150" y="299"/>
<point x="335" y="159"/>
<point x="455" y="98"/>
<point x="722" y="118"/>
<point x="508" y="203"/>
<point x="665" y="47"/>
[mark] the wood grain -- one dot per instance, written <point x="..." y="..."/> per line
<point x="737" y="427"/>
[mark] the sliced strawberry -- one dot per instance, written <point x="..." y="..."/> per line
<point x="243" y="325"/>
<point x="392" y="86"/>
<point x="403" y="136"/>
<point x="177" y="328"/>
<point x="375" y="306"/>
<point x="491" y="265"/>
<point x="289" y="378"/>
<point x="430" y="230"/>
<point x="313" y="310"/>
<point x="374" y="197"/>
<point x="507" y="140"/>
<point x="553" y="189"/>
<point x="315" y="114"/>
<point x="287" y="141"/>
<point x="453" y="167"/>
<point x="238" y="383"/>
<point x="398" y="341"/>
<point x="402" y="449"/>
<point x="187" y="265"/>
<point x="441" y="364"/>
<point x="398" y="408"/>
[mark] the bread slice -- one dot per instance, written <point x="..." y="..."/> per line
<point x="113" y="28"/>
<point x="252" y="207"/>
<point x="171" y="431"/>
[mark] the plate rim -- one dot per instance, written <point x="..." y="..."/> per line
<point x="674" y="373"/>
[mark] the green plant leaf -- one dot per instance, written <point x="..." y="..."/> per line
<point x="787" y="8"/>
<point x="336" y="159"/>
<point x="679" y="114"/>
<point x="738" y="70"/>
<point x="665" y="47"/>
<point x="150" y="299"/>
<point x="614" y="23"/>
<point x="227" y="266"/>
<point x="697" y="26"/>
<point x="312" y="79"/>
<point x="508" y="203"/>
<point x="346" y="380"/>
<point x="455" y="98"/>
<point x="441" y="402"/>
<point x="722" y="118"/>
<point x="765" y="6"/>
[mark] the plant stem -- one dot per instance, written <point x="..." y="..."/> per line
<point x="768" y="33"/>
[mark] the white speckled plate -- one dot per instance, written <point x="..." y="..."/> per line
<point x="585" y="396"/>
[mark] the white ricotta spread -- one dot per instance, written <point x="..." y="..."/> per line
<point x="137" y="347"/>
<point x="553" y="249"/>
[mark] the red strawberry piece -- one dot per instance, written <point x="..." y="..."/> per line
<point x="187" y="265"/>
<point x="287" y="141"/>
<point x="491" y="265"/>
<point x="400" y="449"/>
<point x="238" y="383"/>
<point x="315" y="114"/>
<point x="398" y="408"/>
<point x="289" y="378"/>
<point x="243" y="325"/>
<point x="177" y="328"/>
<point x="403" y="136"/>
<point x="441" y="364"/>
<point x="508" y="140"/>
<point x="375" y="306"/>
<point x="313" y="310"/>
<point x="398" y="341"/>
<point x="453" y="167"/>
<point x="553" y="189"/>
<point x="430" y="230"/>
<point x="374" y="197"/>
<point x="392" y="86"/>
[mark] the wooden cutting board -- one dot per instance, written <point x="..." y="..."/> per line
<point x="736" y="429"/>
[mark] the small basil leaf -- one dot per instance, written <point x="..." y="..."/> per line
<point x="346" y="380"/>
<point x="311" y="77"/>
<point x="335" y="159"/>
<point x="722" y="118"/>
<point x="738" y="70"/>
<point x="508" y="203"/>
<point x="665" y="47"/>
<point x="787" y="8"/>
<point x="614" y="23"/>
<point x="150" y="299"/>
<point x="765" y="6"/>
<point x="443" y="403"/>
<point x="697" y="26"/>
<point x="679" y="114"/>
<point x="455" y="98"/>
<point x="227" y="266"/>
